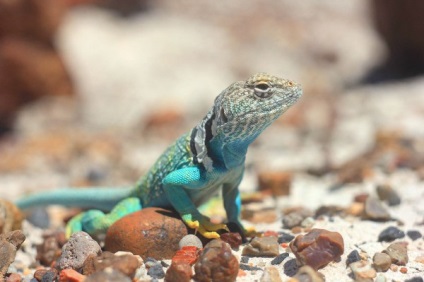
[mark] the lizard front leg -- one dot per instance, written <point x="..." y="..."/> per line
<point x="175" y="185"/>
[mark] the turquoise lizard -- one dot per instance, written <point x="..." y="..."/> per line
<point x="190" y="171"/>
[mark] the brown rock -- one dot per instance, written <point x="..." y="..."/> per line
<point x="48" y="251"/>
<point x="318" y="247"/>
<point x="270" y="275"/>
<point x="9" y="243"/>
<point x="232" y="238"/>
<point x="294" y="217"/>
<point x="16" y="238"/>
<point x="150" y="232"/>
<point x="259" y="216"/>
<point x="307" y="273"/>
<point x="363" y="271"/>
<point x="375" y="210"/>
<point x="278" y="182"/>
<point x="126" y="264"/>
<point x="381" y="262"/>
<point x="361" y="198"/>
<point x="14" y="277"/>
<point x="47" y="275"/>
<point x="107" y="275"/>
<point x="388" y="194"/>
<point x="179" y="272"/>
<point x="216" y="263"/>
<point x="262" y="247"/>
<point x="10" y="217"/>
<point x="398" y="252"/>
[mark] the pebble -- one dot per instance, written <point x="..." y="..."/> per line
<point x="285" y="238"/>
<point x="279" y="259"/>
<point x="398" y="252"/>
<point x="234" y="239"/>
<point x="290" y="267"/>
<point x="79" y="246"/>
<point x="278" y="182"/>
<point x="244" y="259"/>
<point x="380" y="278"/>
<point x="262" y="247"/>
<point x="190" y="240"/>
<point x="268" y="215"/>
<point x="270" y="274"/>
<point x="39" y="217"/>
<point x="11" y="217"/>
<point x="156" y="271"/>
<point x="331" y="210"/>
<point x="381" y="262"/>
<point x="363" y="271"/>
<point x="127" y="264"/>
<point x="216" y="263"/>
<point x="318" y="247"/>
<point x="150" y="232"/>
<point x="249" y="267"/>
<point x="179" y="272"/>
<point x="187" y="254"/>
<point x="353" y="256"/>
<point x="294" y="218"/>
<point x="70" y="275"/>
<point x="9" y="244"/>
<point x="387" y="194"/>
<point x="375" y="210"/>
<point x="414" y="234"/>
<point x="415" y="279"/>
<point x="308" y="274"/>
<point x="48" y="251"/>
<point x="107" y="275"/>
<point x="13" y="277"/>
<point x="390" y="234"/>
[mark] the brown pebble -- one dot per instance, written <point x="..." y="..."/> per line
<point x="403" y="270"/>
<point x="398" y="252"/>
<point x="127" y="264"/>
<point x="14" y="277"/>
<point x="48" y="251"/>
<point x="375" y="210"/>
<point x="216" y="263"/>
<point x="381" y="262"/>
<point x="233" y="239"/>
<point x="294" y="217"/>
<point x="10" y="217"/>
<point x="259" y="216"/>
<point x="262" y="247"/>
<point x="363" y="271"/>
<point x="179" y="272"/>
<point x="388" y="194"/>
<point x="150" y="232"/>
<point x="307" y="273"/>
<point x="270" y="274"/>
<point x="394" y="267"/>
<point x="355" y="209"/>
<point x="39" y="273"/>
<point x="361" y="198"/>
<point x="9" y="243"/>
<point x="107" y="275"/>
<point x="278" y="182"/>
<point x="318" y="247"/>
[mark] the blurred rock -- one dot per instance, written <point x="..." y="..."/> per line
<point x="187" y="254"/>
<point x="262" y="247"/>
<point x="398" y="252"/>
<point x="277" y="182"/>
<point x="363" y="271"/>
<point x="190" y="240"/>
<point x="233" y="239"/>
<point x="179" y="272"/>
<point x="127" y="264"/>
<point x="381" y="262"/>
<point x="270" y="275"/>
<point x="390" y="234"/>
<point x="259" y="215"/>
<point x="308" y="274"/>
<point x="10" y="217"/>
<point x="9" y="244"/>
<point x="375" y="210"/>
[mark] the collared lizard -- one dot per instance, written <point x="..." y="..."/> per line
<point x="190" y="171"/>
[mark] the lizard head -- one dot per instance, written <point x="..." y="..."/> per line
<point x="246" y="108"/>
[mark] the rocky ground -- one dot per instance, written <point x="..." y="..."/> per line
<point x="349" y="158"/>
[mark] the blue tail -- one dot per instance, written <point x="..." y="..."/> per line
<point x="97" y="198"/>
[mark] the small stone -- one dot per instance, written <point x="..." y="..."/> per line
<point x="187" y="254"/>
<point x="107" y="275"/>
<point x="387" y="194"/>
<point x="380" y="278"/>
<point x="403" y="270"/>
<point x="374" y="210"/>
<point x="285" y="238"/>
<point x="318" y="247"/>
<point x="249" y="267"/>
<point x="11" y="217"/>
<point x="259" y="215"/>
<point x="331" y="210"/>
<point x="279" y="259"/>
<point x="390" y="234"/>
<point x="216" y="263"/>
<point x="270" y="275"/>
<point x="14" y="277"/>
<point x="150" y="232"/>
<point x="179" y="272"/>
<point x="39" y="273"/>
<point x="127" y="264"/>
<point x="16" y="238"/>
<point x="48" y="251"/>
<point x="262" y="247"/>
<point x="381" y="262"/>
<point x="398" y="252"/>
<point x="414" y="234"/>
<point x="50" y="275"/>
<point x="9" y="244"/>
<point x="233" y="239"/>
<point x="353" y="256"/>
<point x="307" y="222"/>
<point x="156" y="271"/>
<point x="363" y="271"/>
<point x="294" y="218"/>
<point x="290" y="267"/>
<point x="70" y="275"/>
<point x="415" y="279"/>
<point x="278" y="183"/>
<point x="355" y="209"/>
<point x="38" y="216"/>
<point x="79" y="246"/>
<point x="308" y="274"/>
<point x="190" y="240"/>
<point x="244" y="259"/>
<point x="361" y="198"/>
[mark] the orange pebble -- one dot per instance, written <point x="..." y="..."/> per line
<point x="403" y="270"/>
<point x="70" y="275"/>
<point x="241" y="273"/>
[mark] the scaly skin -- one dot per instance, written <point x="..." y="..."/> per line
<point x="191" y="170"/>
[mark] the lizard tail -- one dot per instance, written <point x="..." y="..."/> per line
<point x="98" y="198"/>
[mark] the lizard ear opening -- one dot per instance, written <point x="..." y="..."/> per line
<point x="223" y="116"/>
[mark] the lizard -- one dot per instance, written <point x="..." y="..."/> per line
<point x="209" y="157"/>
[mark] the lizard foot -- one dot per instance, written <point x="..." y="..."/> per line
<point x="92" y="222"/>
<point x="202" y="225"/>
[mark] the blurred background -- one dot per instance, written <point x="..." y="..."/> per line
<point x="91" y="91"/>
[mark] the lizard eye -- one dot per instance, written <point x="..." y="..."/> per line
<point x="262" y="89"/>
